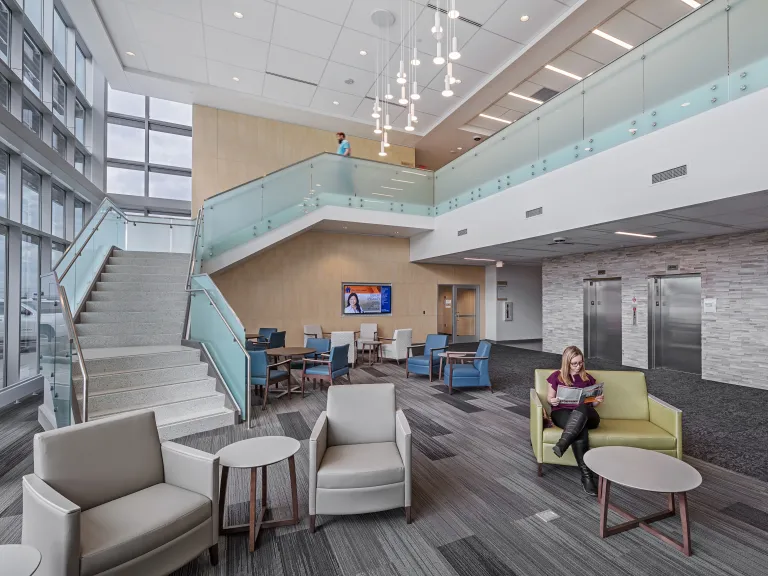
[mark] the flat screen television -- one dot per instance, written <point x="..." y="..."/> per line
<point x="366" y="298"/>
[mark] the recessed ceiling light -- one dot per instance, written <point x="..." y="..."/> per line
<point x="684" y="104"/>
<point x="481" y="259"/>
<point x="235" y="78"/>
<point x="380" y="194"/>
<point x="459" y="148"/>
<point x="335" y="102"/>
<point x="405" y="181"/>
<point x="453" y="151"/>
<point x="528" y="98"/>
<point x="636" y="234"/>
<point x="563" y="72"/>
<point x="613" y="39"/>
<point x="692" y="3"/>
<point x="130" y="54"/>
<point x="524" y="18"/>
<point x="389" y="188"/>
<point x="494" y="118"/>
<point x="363" y="53"/>
<point x="238" y="14"/>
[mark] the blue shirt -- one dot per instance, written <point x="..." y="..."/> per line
<point x="343" y="147"/>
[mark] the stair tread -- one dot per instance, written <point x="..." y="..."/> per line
<point x="110" y="412"/>
<point x="140" y="370"/>
<point x="122" y="351"/>
<point x="198" y="416"/>
<point x="148" y="385"/>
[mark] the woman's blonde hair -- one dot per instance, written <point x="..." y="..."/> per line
<point x="565" y="368"/>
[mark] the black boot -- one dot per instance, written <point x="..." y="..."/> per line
<point x="580" y="446"/>
<point x="574" y="426"/>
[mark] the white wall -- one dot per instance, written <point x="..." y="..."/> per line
<point x="524" y="291"/>
<point x="719" y="146"/>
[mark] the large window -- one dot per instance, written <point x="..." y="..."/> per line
<point x="5" y="30"/>
<point x="79" y="68"/>
<point x="59" y="143"/>
<point x="34" y="11"/>
<point x="59" y="98"/>
<point x="160" y="170"/>
<point x="79" y="121"/>
<point x="59" y="38"/>
<point x="32" y="65"/>
<point x="3" y="233"/>
<point x="30" y="299"/>
<point x="57" y="211"/>
<point x="31" y="117"/>
<point x="5" y="93"/>
<point x="3" y="184"/>
<point x="30" y="198"/>
<point x="57" y="251"/>
<point x="79" y="161"/>
<point x="79" y="215"/>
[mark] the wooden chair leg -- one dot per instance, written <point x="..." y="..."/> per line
<point x="349" y="377"/>
<point x="311" y="523"/>
<point x="266" y="397"/>
<point x="541" y="470"/>
<point x="213" y="551"/>
<point x="407" y="514"/>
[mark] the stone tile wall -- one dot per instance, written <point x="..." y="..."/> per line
<point x="734" y="269"/>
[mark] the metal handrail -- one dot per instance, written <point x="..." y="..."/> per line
<point x="245" y="352"/>
<point x="229" y="306"/>
<point x="81" y="360"/>
<point x="185" y="326"/>
<point x="80" y="251"/>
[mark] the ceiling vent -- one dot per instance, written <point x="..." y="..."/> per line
<point x="290" y="78"/>
<point x="444" y="11"/>
<point x="535" y="212"/>
<point x="669" y="174"/>
<point x="545" y="94"/>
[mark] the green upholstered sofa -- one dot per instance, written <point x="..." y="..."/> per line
<point x="629" y="416"/>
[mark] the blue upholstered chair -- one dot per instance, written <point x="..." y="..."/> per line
<point x="319" y="345"/>
<point x="264" y="333"/>
<point x="274" y="340"/>
<point x="263" y="374"/>
<point x="428" y="363"/>
<point x="469" y="371"/>
<point x="330" y="368"/>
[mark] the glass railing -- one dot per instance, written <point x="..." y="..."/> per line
<point x="56" y="350"/>
<point x="254" y="208"/>
<point x="716" y="54"/>
<point x="213" y="323"/>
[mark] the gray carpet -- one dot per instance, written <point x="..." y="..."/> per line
<point x="475" y="499"/>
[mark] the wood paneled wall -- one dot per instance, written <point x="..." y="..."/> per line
<point x="299" y="282"/>
<point x="229" y="149"/>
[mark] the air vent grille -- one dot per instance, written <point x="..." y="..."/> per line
<point x="462" y="232"/>
<point x="444" y="11"/>
<point x="670" y="174"/>
<point x="535" y="212"/>
<point x="290" y="78"/>
<point x="544" y="94"/>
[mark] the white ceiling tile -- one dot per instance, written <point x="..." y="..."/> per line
<point x="494" y="110"/>
<point x="173" y="33"/>
<point x="160" y="60"/>
<point x="348" y="46"/>
<point x="288" y="90"/>
<point x="553" y="80"/>
<point x="470" y="79"/>
<point x="425" y="121"/>
<point x="598" y="49"/>
<point x="331" y="10"/>
<point x="486" y="51"/>
<point x="295" y="64"/>
<point x="477" y="10"/>
<point x="698" y="227"/>
<point x="359" y="17"/>
<point x="629" y="28"/>
<point x="487" y="123"/>
<point x="426" y="43"/>
<point x="181" y="8"/>
<point x="255" y="23"/>
<point x="336" y="75"/>
<point x="515" y="103"/>
<point x="242" y="51"/>
<point x="324" y="99"/>
<point x="741" y="219"/>
<point x="575" y="64"/>
<point x="541" y="13"/>
<point x="250" y="81"/>
<point x="304" y="33"/>
<point x="433" y="102"/>
<point x="121" y="30"/>
<point x="661" y="13"/>
<point x="512" y="115"/>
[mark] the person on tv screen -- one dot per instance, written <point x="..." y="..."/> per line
<point x="353" y="305"/>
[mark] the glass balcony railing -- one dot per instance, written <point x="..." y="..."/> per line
<point x="717" y="54"/>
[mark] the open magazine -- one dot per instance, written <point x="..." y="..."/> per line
<point x="570" y="396"/>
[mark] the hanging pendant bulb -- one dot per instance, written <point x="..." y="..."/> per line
<point x="453" y="13"/>
<point x="377" y="130"/>
<point x="415" y="91"/>
<point x="437" y="30"/>
<point x="409" y="127"/>
<point x="447" y="92"/>
<point x="403" y="100"/>
<point x="381" y="151"/>
<point x="413" y="113"/>
<point x="388" y="95"/>
<point x="376" y="109"/>
<point x="454" y="55"/>
<point x="387" y="125"/>
<point x="401" y="75"/>
<point x="415" y="61"/>
<point x="439" y="60"/>
<point x="451" y="79"/>
<point x="386" y="142"/>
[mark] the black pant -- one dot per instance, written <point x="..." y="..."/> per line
<point x="560" y="418"/>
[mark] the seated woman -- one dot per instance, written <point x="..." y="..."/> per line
<point x="574" y="422"/>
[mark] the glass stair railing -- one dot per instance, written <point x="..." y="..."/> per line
<point x="716" y="54"/>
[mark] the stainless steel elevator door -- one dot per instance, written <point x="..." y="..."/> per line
<point x="602" y="315"/>
<point x="680" y="326"/>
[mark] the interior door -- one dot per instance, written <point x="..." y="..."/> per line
<point x="681" y="323"/>
<point x="465" y="317"/>
<point x="602" y="319"/>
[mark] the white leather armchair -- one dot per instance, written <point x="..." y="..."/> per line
<point x="368" y="331"/>
<point x="360" y="454"/>
<point x="313" y="331"/>
<point x="107" y="497"/>
<point x="341" y="338"/>
<point x="396" y="348"/>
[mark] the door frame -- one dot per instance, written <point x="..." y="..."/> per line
<point x="476" y="337"/>
<point x="586" y="331"/>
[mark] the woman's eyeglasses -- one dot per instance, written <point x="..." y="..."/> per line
<point x="577" y="363"/>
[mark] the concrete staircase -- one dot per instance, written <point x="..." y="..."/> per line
<point x="130" y="332"/>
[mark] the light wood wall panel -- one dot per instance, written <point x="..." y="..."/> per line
<point x="229" y="149"/>
<point x="299" y="282"/>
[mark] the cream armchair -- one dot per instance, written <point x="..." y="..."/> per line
<point x="396" y="348"/>
<point x="107" y="497"/>
<point x="360" y="454"/>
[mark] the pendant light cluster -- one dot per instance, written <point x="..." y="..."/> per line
<point x="447" y="34"/>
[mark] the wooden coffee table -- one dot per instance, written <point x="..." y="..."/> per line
<point x="19" y="560"/>
<point x="649" y="471"/>
<point x="373" y="347"/>
<point x="255" y="453"/>
<point x="292" y="352"/>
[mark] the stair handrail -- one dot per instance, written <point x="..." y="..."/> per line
<point x="245" y="352"/>
<point x="73" y="339"/>
<point x="190" y="271"/>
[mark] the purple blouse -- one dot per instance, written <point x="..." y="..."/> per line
<point x="554" y="381"/>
